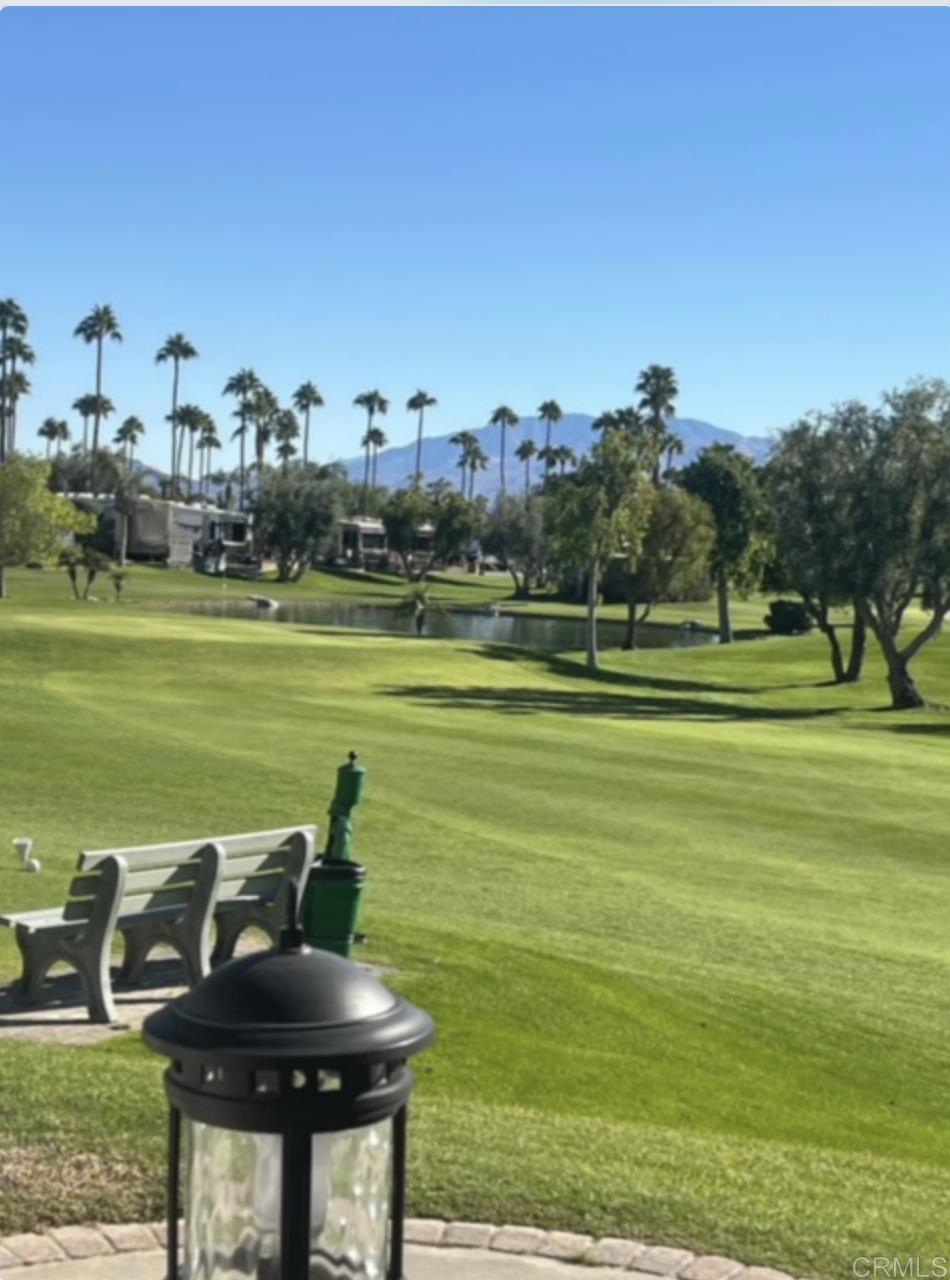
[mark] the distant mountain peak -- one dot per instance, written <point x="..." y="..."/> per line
<point x="440" y="458"/>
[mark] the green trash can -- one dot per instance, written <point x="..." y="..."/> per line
<point x="334" y="893"/>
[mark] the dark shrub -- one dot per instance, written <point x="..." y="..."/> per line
<point x="788" y="618"/>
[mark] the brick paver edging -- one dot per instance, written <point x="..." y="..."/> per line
<point x="59" y="1244"/>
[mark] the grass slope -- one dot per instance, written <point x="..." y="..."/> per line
<point x="683" y="926"/>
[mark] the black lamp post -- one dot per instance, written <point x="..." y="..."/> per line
<point x="288" y="1088"/>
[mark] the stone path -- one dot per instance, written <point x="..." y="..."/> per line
<point x="64" y="1020"/>
<point x="463" y="1250"/>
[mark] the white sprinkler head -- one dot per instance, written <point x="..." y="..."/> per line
<point x="24" y="847"/>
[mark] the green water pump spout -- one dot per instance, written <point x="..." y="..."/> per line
<point x="334" y="892"/>
<point x="350" y="780"/>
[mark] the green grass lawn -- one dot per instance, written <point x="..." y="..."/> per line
<point x="683" y="927"/>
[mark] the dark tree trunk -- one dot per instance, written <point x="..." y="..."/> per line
<point x="95" y="424"/>
<point x="819" y="612"/>
<point x="306" y="436"/>
<point x="503" y="443"/>
<point x="243" y="457"/>
<point x="722" y="596"/>
<point x="592" y="661"/>
<point x="859" y="645"/>
<point x="630" y="635"/>
<point x="3" y="583"/>
<point x="904" y="692"/>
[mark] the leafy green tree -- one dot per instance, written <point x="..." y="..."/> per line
<point x="33" y="519"/>
<point x="673" y="557"/>
<point x="515" y="534"/>
<point x="418" y="404"/>
<point x="242" y="384"/>
<point x="453" y="525"/>
<point x="524" y="453"/>
<point x="307" y="397"/>
<point x="296" y="513"/>
<point x="99" y="324"/>
<point x="550" y="413"/>
<point x="504" y="418"/>
<point x="600" y="511"/>
<point x="809" y="525"/>
<point x="373" y="402"/>
<point x="13" y="323"/>
<point x="726" y="481"/>
<point x="893" y="474"/>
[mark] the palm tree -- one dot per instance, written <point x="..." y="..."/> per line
<point x="263" y="412"/>
<point x="307" y="397"/>
<point x="13" y="385"/>
<point x="99" y="324"/>
<point x="207" y="443"/>
<point x="503" y="417"/>
<point x="84" y="407"/>
<point x="549" y="411"/>
<point x="418" y="404"/>
<point x="465" y="441"/>
<point x="14" y="349"/>
<point x="373" y="402"/>
<point x="658" y="391"/>
<point x="50" y="432"/>
<point x="128" y="436"/>
<point x="477" y="461"/>
<point x="13" y="322"/>
<point x="176" y="348"/>
<point x="565" y="457"/>
<point x="378" y="441"/>
<point x="548" y="455"/>
<point x="524" y="453"/>
<point x="286" y="431"/>
<point x="190" y="419"/>
<point x="674" y="449"/>
<point x="242" y="384"/>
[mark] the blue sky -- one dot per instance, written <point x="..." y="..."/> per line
<point x="499" y="205"/>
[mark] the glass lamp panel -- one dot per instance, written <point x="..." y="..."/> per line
<point x="350" y="1193"/>
<point x="232" y="1204"/>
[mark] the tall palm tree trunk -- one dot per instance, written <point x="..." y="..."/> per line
<point x="592" y="659"/>
<point x="172" y="478"/>
<point x="3" y="399"/>
<point x="503" y="440"/>
<point x="85" y="436"/>
<point x="243" y="468"/>
<point x="369" y="427"/>
<point x="375" y="461"/>
<point x="418" y="471"/>
<point x="306" y="436"/>
<point x="191" y="460"/>
<point x="527" y="477"/>
<point x="97" y="415"/>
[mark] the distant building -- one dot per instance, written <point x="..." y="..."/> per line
<point x="177" y="534"/>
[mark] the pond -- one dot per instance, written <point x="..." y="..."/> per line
<point x="526" y="630"/>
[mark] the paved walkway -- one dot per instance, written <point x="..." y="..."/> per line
<point x="422" y="1264"/>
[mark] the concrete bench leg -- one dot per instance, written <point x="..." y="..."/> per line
<point x="94" y="970"/>
<point x="231" y="924"/>
<point x="136" y="944"/>
<point x="38" y="956"/>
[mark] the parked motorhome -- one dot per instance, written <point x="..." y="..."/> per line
<point x="178" y="534"/>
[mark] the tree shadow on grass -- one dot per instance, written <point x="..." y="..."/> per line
<point x="573" y="668"/>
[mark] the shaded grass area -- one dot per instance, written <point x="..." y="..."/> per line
<point x="683" y="926"/>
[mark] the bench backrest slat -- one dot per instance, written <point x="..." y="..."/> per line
<point x="143" y="857"/>
<point x="166" y="875"/>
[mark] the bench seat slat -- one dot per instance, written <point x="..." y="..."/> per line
<point x="142" y="857"/>
<point x="47" y="915"/>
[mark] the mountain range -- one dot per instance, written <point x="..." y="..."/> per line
<point x="440" y="459"/>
